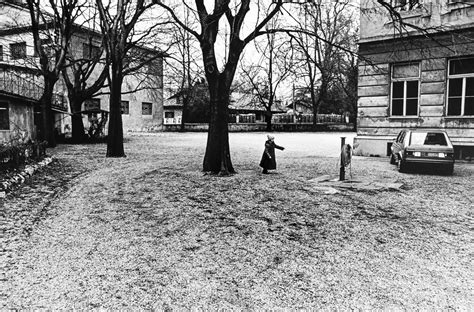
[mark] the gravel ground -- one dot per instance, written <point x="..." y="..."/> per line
<point x="151" y="231"/>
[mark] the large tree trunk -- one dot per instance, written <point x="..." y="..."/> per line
<point x="115" y="132"/>
<point x="268" y="119"/>
<point x="47" y="113"/>
<point x="78" y="132"/>
<point x="217" y="157"/>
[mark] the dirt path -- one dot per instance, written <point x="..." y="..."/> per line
<point x="151" y="231"/>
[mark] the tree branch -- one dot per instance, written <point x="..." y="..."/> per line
<point x="178" y="21"/>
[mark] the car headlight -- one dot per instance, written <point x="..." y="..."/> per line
<point x="417" y="154"/>
<point x="441" y="155"/>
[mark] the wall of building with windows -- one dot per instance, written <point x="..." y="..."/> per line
<point x="417" y="82"/>
<point x="142" y="91"/>
<point x="142" y="109"/>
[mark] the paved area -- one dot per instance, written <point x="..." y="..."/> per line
<point x="151" y="231"/>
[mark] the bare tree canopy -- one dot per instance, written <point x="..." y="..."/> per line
<point x="325" y="39"/>
<point x="52" y="27"/>
<point x="126" y="28"/>
<point x="217" y="158"/>
<point x="273" y="67"/>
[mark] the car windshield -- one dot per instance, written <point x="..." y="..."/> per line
<point x="428" y="138"/>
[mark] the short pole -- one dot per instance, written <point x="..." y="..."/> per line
<point x="342" y="172"/>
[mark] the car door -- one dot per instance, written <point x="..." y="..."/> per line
<point x="398" y="145"/>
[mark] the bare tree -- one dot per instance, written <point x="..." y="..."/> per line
<point x="183" y="69"/>
<point x="82" y="81"/>
<point x="186" y="80"/>
<point x="346" y="82"/>
<point x="217" y="157"/>
<point x="273" y="68"/>
<point x="122" y="44"/>
<point x="52" y="27"/>
<point x="323" y="41"/>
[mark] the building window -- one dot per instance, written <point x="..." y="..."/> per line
<point x="1" y="53"/>
<point x="90" y="51"/>
<point x="124" y="107"/>
<point x="169" y="114"/>
<point x="405" y="89"/>
<point x="461" y="87"/>
<point x="92" y="104"/>
<point x="4" y="116"/>
<point x="146" y="108"/>
<point x="18" y="50"/>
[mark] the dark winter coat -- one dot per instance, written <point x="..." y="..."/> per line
<point x="268" y="158"/>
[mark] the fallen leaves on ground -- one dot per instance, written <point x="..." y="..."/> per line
<point x="151" y="231"/>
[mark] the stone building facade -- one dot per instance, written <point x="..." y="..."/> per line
<point x="417" y="76"/>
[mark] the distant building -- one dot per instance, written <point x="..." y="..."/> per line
<point x="191" y="102"/>
<point x="246" y="107"/>
<point x="413" y="78"/>
<point x="142" y="94"/>
<point x="173" y="109"/>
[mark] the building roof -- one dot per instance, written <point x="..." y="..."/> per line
<point x="244" y="101"/>
<point x="25" y="99"/>
<point x="176" y="95"/>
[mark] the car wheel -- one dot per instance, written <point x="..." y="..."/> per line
<point x="449" y="170"/>
<point x="402" y="166"/>
<point x="393" y="160"/>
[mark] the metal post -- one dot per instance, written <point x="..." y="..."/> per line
<point x="342" y="172"/>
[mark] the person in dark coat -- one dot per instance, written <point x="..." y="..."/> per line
<point x="268" y="161"/>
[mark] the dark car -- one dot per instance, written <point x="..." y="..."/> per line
<point x="432" y="148"/>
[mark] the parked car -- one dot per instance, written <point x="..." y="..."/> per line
<point x="423" y="147"/>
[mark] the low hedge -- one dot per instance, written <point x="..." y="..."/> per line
<point x="13" y="156"/>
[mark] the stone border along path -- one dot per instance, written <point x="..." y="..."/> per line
<point x="19" y="178"/>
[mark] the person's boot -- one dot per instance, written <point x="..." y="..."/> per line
<point x="264" y="171"/>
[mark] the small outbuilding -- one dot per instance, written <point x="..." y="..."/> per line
<point x="16" y="118"/>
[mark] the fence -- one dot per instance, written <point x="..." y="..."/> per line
<point x="28" y="85"/>
<point x="290" y="118"/>
<point x="308" y="118"/>
<point x="24" y="85"/>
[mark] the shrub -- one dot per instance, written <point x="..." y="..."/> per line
<point x="15" y="155"/>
